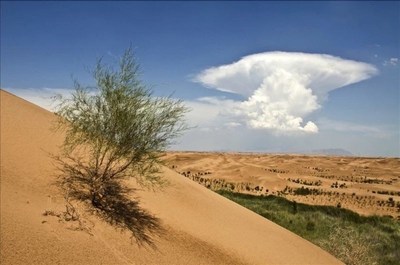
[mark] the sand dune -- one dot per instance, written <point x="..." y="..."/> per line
<point x="366" y="185"/>
<point x="201" y="227"/>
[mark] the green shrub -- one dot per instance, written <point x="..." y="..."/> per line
<point x="310" y="226"/>
<point x="349" y="245"/>
<point x="114" y="131"/>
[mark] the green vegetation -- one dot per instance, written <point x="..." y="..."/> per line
<point x="352" y="238"/>
<point x="114" y="131"/>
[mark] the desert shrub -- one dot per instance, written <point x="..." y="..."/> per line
<point x="348" y="245"/>
<point x="306" y="191"/>
<point x="70" y="214"/>
<point x="114" y="131"/>
<point x="294" y="207"/>
<point x="310" y="226"/>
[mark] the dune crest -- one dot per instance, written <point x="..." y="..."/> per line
<point x="200" y="226"/>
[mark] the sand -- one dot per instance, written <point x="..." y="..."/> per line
<point x="200" y="227"/>
<point x="364" y="184"/>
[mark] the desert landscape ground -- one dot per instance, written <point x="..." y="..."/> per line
<point x="368" y="186"/>
<point x="196" y="225"/>
<point x="347" y="205"/>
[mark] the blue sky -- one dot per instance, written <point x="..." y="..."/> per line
<point x="44" y="44"/>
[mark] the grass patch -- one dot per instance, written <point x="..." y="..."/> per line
<point x="352" y="238"/>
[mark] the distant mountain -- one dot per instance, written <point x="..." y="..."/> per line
<point x="332" y="152"/>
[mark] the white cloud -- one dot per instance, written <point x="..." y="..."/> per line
<point x="281" y="88"/>
<point x="392" y="61"/>
<point x="232" y="124"/>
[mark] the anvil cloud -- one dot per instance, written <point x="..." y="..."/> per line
<point x="282" y="88"/>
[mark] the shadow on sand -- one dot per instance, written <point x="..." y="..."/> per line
<point x="125" y="213"/>
<point x="111" y="200"/>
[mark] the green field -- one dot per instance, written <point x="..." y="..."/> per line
<point x="350" y="237"/>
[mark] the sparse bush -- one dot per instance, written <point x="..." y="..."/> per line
<point x="114" y="131"/>
<point x="306" y="191"/>
<point x="294" y="207"/>
<point x="349" y="246"/>
<point x="310" y="226"/>
<point x="70" y="215"/>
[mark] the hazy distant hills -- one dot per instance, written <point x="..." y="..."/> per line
<point x="332" y="152"/>
<point x="324" y="152"/>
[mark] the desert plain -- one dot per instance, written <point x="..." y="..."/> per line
<point x="366" y="185"/>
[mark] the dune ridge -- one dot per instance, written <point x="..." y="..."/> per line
<point x="200" y="227"/>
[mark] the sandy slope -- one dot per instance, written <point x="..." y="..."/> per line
<point x="201" y="226"/>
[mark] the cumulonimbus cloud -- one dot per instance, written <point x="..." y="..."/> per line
<point x="282" y="88"/>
